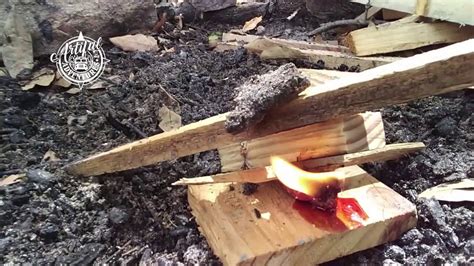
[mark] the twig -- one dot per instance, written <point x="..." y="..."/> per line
<point x="338" y="23"/>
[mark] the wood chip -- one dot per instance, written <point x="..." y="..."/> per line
<point x="50" y="156"/>
<point x="169" y="119"/>
<point x="134" y="43"/>
<point x="11" y="179"/>
<point x="452" y="192"/>
<point x="251" y="24"/>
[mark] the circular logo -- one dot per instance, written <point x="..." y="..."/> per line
<point x="80" y="60"/>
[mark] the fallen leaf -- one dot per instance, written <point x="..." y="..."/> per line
<point x="454" y="192"/>
<point x="60" y="81"/>
<point x="213" y="39"/>
<point x="251" y="24"/>
<point x="17" y="50"/>
<point x="133" y="43"/>
<point x="11" y="179"/>
<point x="3" y="71"/>
<point x="50" y="156"/>
<point x="44" y="77"/>
<point x="169" y="119"/>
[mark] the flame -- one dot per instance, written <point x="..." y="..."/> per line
<point x="310" y="184"/>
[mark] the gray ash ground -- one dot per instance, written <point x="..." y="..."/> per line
<point x="136" y="216"/>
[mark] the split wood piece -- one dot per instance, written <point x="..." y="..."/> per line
<point x="400" y="36"/>
<point x="435" y="72"/>
<point x="339" y="136"/>
<point x="229" y="37"/>
<point x="265" y="174"/>
<point x="288" y="235"/>
<point x="270" y="50"/>
<point x="459" y="11"/>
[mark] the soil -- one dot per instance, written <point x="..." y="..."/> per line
<point x="136" y="216"/>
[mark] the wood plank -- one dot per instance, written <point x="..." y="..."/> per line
<point x="248" y="38"/>
<point x="431" y="73"/>
<point x="265" y="174"/>
<point x="346" y="135"/>
<point x="395" y="36"/>
<point x="227" y="219"/>
<point x="459" y="11"/>
<point x="268" y="49"/>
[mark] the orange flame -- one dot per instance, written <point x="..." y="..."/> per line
<point x="302" y="181"/>
<point x="321" y="190"/>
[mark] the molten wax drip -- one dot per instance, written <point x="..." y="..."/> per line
<point x="348" y="215"/>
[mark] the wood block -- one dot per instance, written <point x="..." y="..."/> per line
<point x="339" y="136"/>
<point x="459" y="11"/>
<point x="401" y="36"/>
<point x="292" y="235"/>
<point x="266" y="174"/>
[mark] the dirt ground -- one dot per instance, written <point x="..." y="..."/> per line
<point x="137" y="217"/>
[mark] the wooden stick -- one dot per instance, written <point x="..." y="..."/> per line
<point x="265" y="174"/>
<point x="431" y="73"/>
<point x="269" y="49"/>
<point x="395" y="36"/>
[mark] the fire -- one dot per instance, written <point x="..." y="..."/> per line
<point x="319" y="188"/>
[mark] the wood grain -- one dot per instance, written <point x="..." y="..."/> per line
<point x="396" y="36"/>
<point x="346" y="135"/>
<point x="227" y="219"/>
<point x="266" y="174"/>
<point x="431" y="73"/>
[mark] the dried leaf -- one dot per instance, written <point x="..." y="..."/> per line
<point x="60" y="81"/>
<point x="3" y="71"/>
<point x="213" y="39"/>
<point x="44" y="77"/>
<point x="133" y="43"/>
<point x="17" y="51"/>
<point x="11" y="179"/>
<point x="453" y="192"/>
<point x="50" y="156"/>
<point x="169" y="119"/>
<point x="251" y="24"/>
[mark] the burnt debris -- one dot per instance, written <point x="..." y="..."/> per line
<point x="261" y="93"/>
